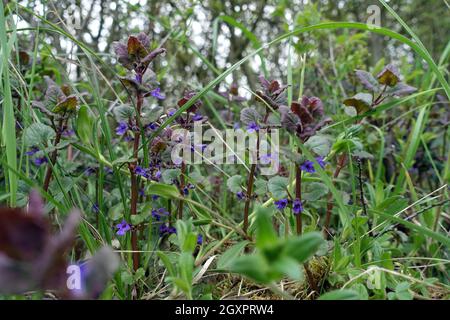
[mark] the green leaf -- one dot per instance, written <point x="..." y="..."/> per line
<point x="402" y="291"/>
<point x="84" y="125"/>
<point x="319" y="144"/>
<point x="303" y="247"/>
<point x="316" y="190"/>
<point x="400" y="90"/>
<point x="169" y="175"/>
<point x="249" y="115"/>
<point x="227" y="258"/>
<point x="124" y="112"/>
<point x="38" y="134"/>
<point x="340" y="295"/>
<point x="360" y="101"/>
<point x="253" y="267"/>
<point x="186" y="265"/>
<point x="234" y="183"/>
<point x="163" y="190"/>
<point x="389" y="75"/>
<point x="68" y="104"/>
<point x="167" y="263"/>
<point x="288" y="267"/>
<point x="266" y="236"/>
<point x="367" y="80"/>
<point x="277" y="186"/>
<point x="151" y="113"/>
<point x="260" y="186"/>
<point x="126" y="277"/>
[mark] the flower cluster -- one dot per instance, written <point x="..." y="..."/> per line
<point x="157" y="214"/>
<point x="166" y="229"/>
<point x="297" y="206"/>
<point x="304" y="117"/>
<point x="308" y="166"/>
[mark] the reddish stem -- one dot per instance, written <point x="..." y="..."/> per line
<point x="182" y="185"/>
<point x="330" y="205"/>
<point x="134" y="184"/>
<point x="298" y="195"/>
<point x="48" y="174"/>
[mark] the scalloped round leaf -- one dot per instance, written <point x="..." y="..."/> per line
<point x="400" y="90"/>
<point x="170" y="174"/>
<point x="389" y="75"/>
<point x="367" y="80"/>
<point x="234" y="183"/>
<point x="151" y="113"/>
<point x="260" y="186"/>
<point x="68" y="104"/>
<point x="315" y="191"/>
<point x="277" y="186"/>
<point x="135" y="47"/>
<point x="38" y="134"/>
<point x="360" y="101"/>
<point x="319" y="144"/>
<point x="123" y="112"/>
<point x="249" y="115"/>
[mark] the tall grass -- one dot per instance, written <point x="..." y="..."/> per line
<point x="9" y="120"/>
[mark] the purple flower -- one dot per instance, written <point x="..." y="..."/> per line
<point x="155" y="197"/>
<point x="240" y="195"/>
<point x="95" y="208"/>
<point x="32" y="151"/>
<point x="141" y="192"/>
<point x="122" y="128"/>
<point x="40" y="161"/>
<point x="197" y="117"/>
<point x="308" y="166"/>
<point x="108" y="170"/>
<point x="171" y="230"/>
<point x="185" y="191"/>
<point x="171" y="112"/>
<point x="157" y="94"/>
<point x="139" y="78"/>
<point x="236" y="125"/>
<point x="297" y="206"/>
<point x="89" y="171"/>
<point x="141" y="171"/>
<point x="281" y="204"/>
<point x="266" y="158"/>
<point x="128" y="138"/>
<point x="199" y="239"/>
<point x="68" y="133"/>
<point x="321" y="162"/>
<point x="122" y="228"/>
<point x="164" y="229"/>
<point x="152" y="126"/>
<point x="157" y="175"/>
<point x="158" y="213"/>
<point x="252" y="127"/>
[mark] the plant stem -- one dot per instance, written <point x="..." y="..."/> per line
<point x="134" y="184"/>
<point x="298" y="195"/>
<point x="330" y="204"/>
<point x="298" y="217"/>
<point x="48" y="174"/>
<point x="182" y="185"/>
<point x="251" y="179"/>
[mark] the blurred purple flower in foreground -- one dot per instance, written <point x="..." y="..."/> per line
<point x="33" y="259"/>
